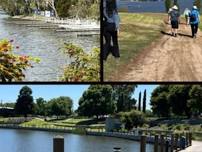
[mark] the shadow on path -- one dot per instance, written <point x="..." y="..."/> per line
<point x="166" y="33"/>
<point x="186" y="35"/>
<point x="180" y="34"/>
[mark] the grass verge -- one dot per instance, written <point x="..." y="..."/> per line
<point x="200" y="25"/>
<point x="136" y="32"/>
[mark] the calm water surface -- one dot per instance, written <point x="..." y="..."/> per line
<point x="44" y="44"/>
<point x="37" y="141"/>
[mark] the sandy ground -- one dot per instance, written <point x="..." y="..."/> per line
<point x="196" y="147"/>
<point x="169" y="59"/>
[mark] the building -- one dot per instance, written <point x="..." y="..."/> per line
<point x="7" y="111"/>
<point x="112" y="124"/>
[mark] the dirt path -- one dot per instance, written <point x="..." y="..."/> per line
<point x="196" y="147"/>
<point x="169" y="59"/>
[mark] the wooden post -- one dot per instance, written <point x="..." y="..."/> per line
<point x="156" y="143"/>
<point x="167" y="145"/>
<point x="176" y="141"/>
<point x="143" y="144"/>
<point x="58" y="144"/>
<point x="117" y="149"/>
<point x="190" y="138"/>
<point x="162" y="143"/>
<point x="180" y="135"/>
<point x="172" y="143"/>
<point x="187" y="139"/>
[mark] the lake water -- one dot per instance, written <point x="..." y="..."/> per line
<point x="152" y="6"/>
<point x="38" y="141"/>
<point x="45" y="44"/>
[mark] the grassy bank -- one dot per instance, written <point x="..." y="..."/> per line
<point x="196" y="129"/>
<point x="200" y="25"/>
<point x="66" y="123"/>
<point x="136" y="32"/>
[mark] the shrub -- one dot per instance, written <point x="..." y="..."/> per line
<point x="85" y="9"/>
<point x="132" y="119"/>
<point x="12" y="66"/>
<point x="84" y="67"/>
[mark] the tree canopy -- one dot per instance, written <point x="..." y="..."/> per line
<point x="24" y="104"/>
<point x="61" y="8"/>
<point x="122" y="94"/>
<point x="61" y="106"/>
<point x="96" y="101"/>
<point x="179" y="100"/>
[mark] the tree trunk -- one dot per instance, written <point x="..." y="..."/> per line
<point x="53" y="7"/>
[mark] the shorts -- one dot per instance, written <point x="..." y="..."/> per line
<point x="175" y="24"/>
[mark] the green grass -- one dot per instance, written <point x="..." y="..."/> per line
<point x="68" y="123"/>
<point x="196" y="129"/>
<point x="3" y="120"/>
<point x="37" y="122"/>
<point x="73" y="120"/>
<point x="136" y="32"/>
<point x="200" y="25"/>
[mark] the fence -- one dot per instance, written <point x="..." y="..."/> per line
<point x="165" y="145"/>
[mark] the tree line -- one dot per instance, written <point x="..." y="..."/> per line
<point x="177" y="100"/>
<point x="25" y="105"/>
<point x="97" y="100"/>
<point x="61" y="8"/>
<point x="102" y="100"/>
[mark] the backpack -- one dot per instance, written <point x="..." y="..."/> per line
<point x="193" y="17"/>
<point x="174" y="16"/>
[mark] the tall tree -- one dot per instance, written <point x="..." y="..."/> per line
<point x="61" y="106"/>
<point x="159" y="102"/>
<point x="168" y="5"/>
<point x="177" y="4"/>
<point x="51" y="3"/>
<point x="139" y="101"/>
<point x="198" y="4"/>
<point x="40" y="108"/>
<point x="96" y="101"/>
<point x="195" y="101"/>
<point x="144" y="101"/>
<point x="178" y="97"/>
<point x="122" y="94"/>
<point x="24" y="104"/>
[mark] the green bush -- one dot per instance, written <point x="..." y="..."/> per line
<point x="84" y="67"/>
<point x="132" y="119"/>
<point x="85" y="9"/>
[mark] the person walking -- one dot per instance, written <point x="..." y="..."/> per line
<point x="194" y="21"/>
<point x="186" y="14"/>
<point x="174" y="19"/>
<point x="169" y="11"/>
<point x="111" y="28"/>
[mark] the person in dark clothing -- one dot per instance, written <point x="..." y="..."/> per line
<point x="111" y="28"/>
<point x="194" y="21"/>
<point x="174" y="19"/>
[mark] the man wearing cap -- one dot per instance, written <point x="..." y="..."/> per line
<point x="174" y="18"/>
<point x="194" y="20"/>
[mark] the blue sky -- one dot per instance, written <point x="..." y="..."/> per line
<point x="9" y="93"/>
<point x="141" y="88"/>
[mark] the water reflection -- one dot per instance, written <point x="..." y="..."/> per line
<point x="36" y="141"/>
